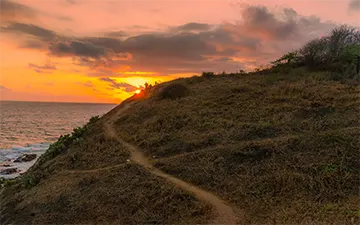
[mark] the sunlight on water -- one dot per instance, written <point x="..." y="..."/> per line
<point x="30" y="127"/>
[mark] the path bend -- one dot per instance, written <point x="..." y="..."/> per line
<point x="224" y="213"/>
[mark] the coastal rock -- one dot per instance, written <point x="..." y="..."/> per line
<point x="8" y="171"/>
<point x="25" y="158"/>
<point x="5" y="164"/>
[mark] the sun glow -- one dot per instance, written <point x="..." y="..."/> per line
<point x="137" y="91"/>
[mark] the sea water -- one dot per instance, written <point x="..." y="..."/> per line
<point x="30" y="127"/>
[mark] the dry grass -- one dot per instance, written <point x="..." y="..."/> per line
<point x="282" y="147"/>
<point x="124" y="194"/>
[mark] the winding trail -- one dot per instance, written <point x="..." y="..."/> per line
<point x="224" y="213"/>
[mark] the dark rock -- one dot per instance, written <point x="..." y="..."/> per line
<point x="8" y="171"/>
<point x="25" y="158"/>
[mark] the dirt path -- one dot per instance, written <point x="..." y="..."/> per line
<point x="96" y="170"/>
<point x="224" y="214"/>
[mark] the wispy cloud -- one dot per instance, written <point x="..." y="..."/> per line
<point x="12" y="10"/>
<point x="261" y="36"/>
<point x="46" y="68"/>
<point x="3" y="88"/>
<point x="118" y="85"/>
<point x="86" y="84"/>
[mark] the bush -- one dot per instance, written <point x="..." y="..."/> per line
<point x="314" y="53"/>
<point x="336" y="52"/>
<point x="207" y="74"/>
<point x="173" y="91"/>
<point x="94" y="119"/>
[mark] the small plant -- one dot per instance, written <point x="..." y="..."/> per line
<point x="30" y="180"/>
<point x="94" y="119"/>
<point x="330" y="168"/>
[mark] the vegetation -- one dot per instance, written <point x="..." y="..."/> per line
<point x="280" y="145"/>
<point x="69" y="185"/>
<point x="208" y="74"/>
<point x="336" y="52"/>
<point x="33" y="176"/>
<point x="173" y="91"/>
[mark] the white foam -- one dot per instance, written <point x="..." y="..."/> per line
<point x="19" y="148"/>
<point x="7" y="157"/>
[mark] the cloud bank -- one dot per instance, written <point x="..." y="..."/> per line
<point x="259" y="36"/>
<point x="354" y="6"/>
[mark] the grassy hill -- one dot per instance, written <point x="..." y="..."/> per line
<point x="279" y="146"/>
<point x="282" y="147"/>
<point x="89" y="181"/>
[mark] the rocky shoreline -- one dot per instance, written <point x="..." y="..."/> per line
<point x="13" y="167"/>
<point x="17" y="159"/>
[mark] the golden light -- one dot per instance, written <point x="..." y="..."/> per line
<point x="137" y="91"/>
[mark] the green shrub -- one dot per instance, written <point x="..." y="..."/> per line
<point x="94" y="119"/>
<point x="32" y="178"/>
<point x="336" y="52"/>
<point x="173" y="91"/>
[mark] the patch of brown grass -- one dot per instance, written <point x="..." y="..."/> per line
<point x="74" y="188"/>
<point x="283" y="148"/>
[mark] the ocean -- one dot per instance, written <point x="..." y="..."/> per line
<point x="30" y="127"/>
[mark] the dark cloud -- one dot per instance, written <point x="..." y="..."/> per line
<point x="46" y="68"/>
<point x="354" y="6"/>
<point x="116" y="85"/>
<point x="10" y="10"/>
<point x="30" y="29"/>
<point x="194" y="27"/>
<point x="259" y="37"/>
<point x="77" y="48"/>
<point x="260" y="19"/>
<point x="33" y="44"/>
<point x="261" y="34"/>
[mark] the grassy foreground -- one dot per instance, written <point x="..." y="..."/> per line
<point x="84" y="179"/>
<point x="282" y="146"/>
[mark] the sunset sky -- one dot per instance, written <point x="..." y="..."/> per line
<point x="102" y="51"/>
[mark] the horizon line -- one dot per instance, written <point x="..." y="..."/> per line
<point x="38" y="101"/>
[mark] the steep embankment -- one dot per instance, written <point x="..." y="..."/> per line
<point x="246" y="149"/>
<point x="91" y="180"/>
<point x="222" y="212"/>
<point x="283" y="148"/>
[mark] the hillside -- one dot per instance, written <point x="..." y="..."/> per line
<point x="257" y="148"/>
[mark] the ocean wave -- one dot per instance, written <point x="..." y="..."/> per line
<point x="9" y="155"/>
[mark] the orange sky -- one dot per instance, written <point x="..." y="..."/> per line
<point x="102" y="51"/>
